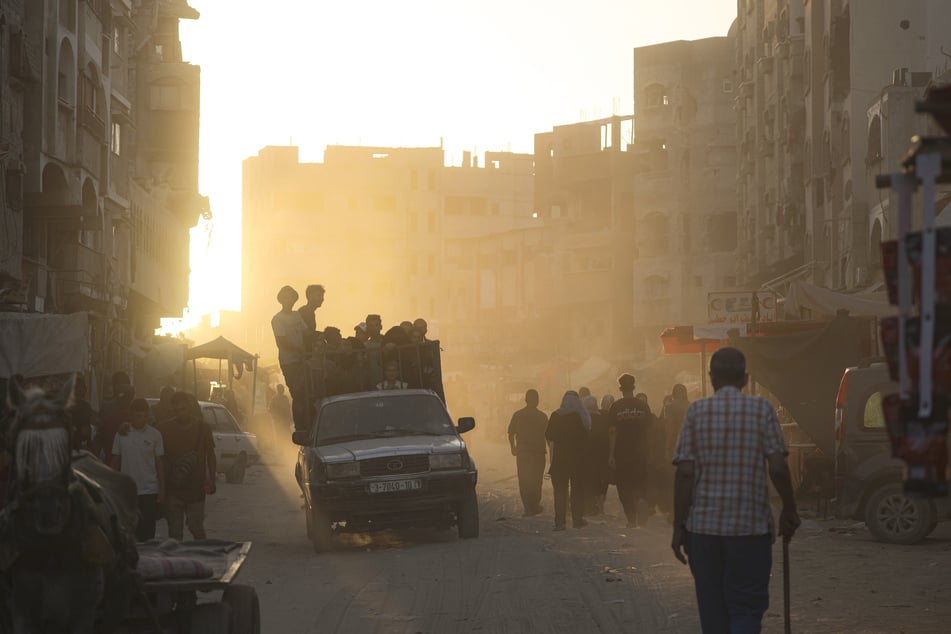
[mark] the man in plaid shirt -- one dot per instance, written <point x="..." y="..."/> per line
<point x="722" y="517"/>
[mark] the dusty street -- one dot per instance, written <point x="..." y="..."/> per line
<point x="519" y="576"/>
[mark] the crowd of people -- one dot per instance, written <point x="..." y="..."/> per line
<point x="706" y="463"/>
<point x="167" y="449"/>
<point x="592" y="445"/>
<point x="322" y="362"/>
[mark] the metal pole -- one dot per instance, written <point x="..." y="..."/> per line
<point x="703" y="368"/>
<point x="787" y="619"/>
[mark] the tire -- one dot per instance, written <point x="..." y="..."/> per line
<point x="468" y="516"/>
<point x="320" y="531"/>
<point x="210" y="618"/>
<point x="235" y="475"/>
<point x="245" y="609"/>
<point x="896" y="519"/>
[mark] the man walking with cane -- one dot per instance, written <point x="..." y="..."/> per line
<point x="723" y="523"/>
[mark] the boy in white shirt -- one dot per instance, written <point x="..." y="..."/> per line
<point x="138" y="453"/>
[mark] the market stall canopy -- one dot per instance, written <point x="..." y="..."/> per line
<point x="221" y="348"/>
<point x="35" y="345"/>
<point x="823" y="301"/>
<point x="803" y="370"/>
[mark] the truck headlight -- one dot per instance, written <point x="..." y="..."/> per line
<point x="445" y="461"/>
<point x="341" y="470"/>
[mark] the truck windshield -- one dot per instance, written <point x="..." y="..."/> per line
<point x="381" y="417"/>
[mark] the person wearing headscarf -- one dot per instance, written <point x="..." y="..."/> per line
<point x="598" y="472"/>
<point x="629" y="448"/>
<point x="567" y="435"/>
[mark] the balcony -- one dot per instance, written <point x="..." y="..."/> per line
<point x="90" y="120"/>
<point x="80" y="276"/>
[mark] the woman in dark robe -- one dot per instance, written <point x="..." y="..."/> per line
<point x="567" y="436"/>
<point x="598" y="473"/>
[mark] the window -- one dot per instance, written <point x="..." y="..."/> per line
<point x="209" y="416"/>
<point x="873" y="417"/>
<point x="116" y="143"/>
<point x="727" y="86"/>
<point x="164" y="97"/>
<point x="226" y="422"/>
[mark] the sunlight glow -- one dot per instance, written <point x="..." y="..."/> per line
<point x="487" y="73"/>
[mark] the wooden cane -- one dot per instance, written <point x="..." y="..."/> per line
<point x="787" y="622"/>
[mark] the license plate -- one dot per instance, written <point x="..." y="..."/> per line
<point x="395" y="485"/>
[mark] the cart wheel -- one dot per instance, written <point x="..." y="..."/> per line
<point x="211" y="618"/>
<point x="245" y="609"/>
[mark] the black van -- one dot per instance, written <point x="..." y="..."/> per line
<point x="868" y="481"/>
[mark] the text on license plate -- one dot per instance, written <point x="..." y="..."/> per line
<point x="395" y="485"/>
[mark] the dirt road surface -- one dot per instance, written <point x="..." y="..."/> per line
<point x="519" y="576"/>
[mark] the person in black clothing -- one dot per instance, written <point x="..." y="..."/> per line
<point x="527" y="440"/>
<point x="567" y="435"/>
<point x="629" y="448"/>
<point x="658" y="464"/>
<point x="597" y="474"/>
<point x="83" y="417"/>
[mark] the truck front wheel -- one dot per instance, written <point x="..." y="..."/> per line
<point x="319" y="529"/>
<point x="468" y="515"/>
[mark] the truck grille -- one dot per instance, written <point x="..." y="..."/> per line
<point x="394" y="465"/>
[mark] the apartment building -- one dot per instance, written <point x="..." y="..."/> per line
<point x="770" y="120"/>
<point x="391" y="231"/>
<point x="685" y="217"/>
<point x="18" y="71"/>
<point x="106" y="113"/>
<point x="857" y="54"/>
<point x="584" y="194"/>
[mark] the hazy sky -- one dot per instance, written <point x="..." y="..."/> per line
<point x="478" y="74"/>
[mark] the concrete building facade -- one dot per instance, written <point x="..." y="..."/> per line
<point x="854" y="50"/>
<point x="391" y="231"/>
<point x="584" y="194"/>
<point x="108" y="129"/>
<point x="770" y="119"/>
<point x="685" y="222"/>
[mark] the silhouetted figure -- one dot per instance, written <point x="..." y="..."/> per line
<point x="308" y="312"/>
<point x="598" y="474"/>
<point x="280" y="409"/>
<point x="83" y="418"/>
<point x="629" y="439"/>
<point x="527" y="442"/>
<point x="567" y="434"/>
<point x="289" y="329"/>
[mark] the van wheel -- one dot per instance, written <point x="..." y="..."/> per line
<point x="897" y="519"/>
<point x="319" y="529"/>
<point x="235" y="475"/>
<point x="468" y="516"/>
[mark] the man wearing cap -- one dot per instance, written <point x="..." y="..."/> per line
<point x="629" y="447"/>
<point x="289" y="332"/>
<point x="723" y="522"/>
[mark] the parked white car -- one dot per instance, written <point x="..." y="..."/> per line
<point x="235" y="450"/>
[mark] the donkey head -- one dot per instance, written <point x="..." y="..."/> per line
<point x="40" y="440"/>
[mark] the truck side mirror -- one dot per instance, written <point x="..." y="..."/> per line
<point x="301" y="438"/>
<point x="466" y="423"/>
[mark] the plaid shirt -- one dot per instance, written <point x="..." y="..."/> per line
<point x="728" y="437"/>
